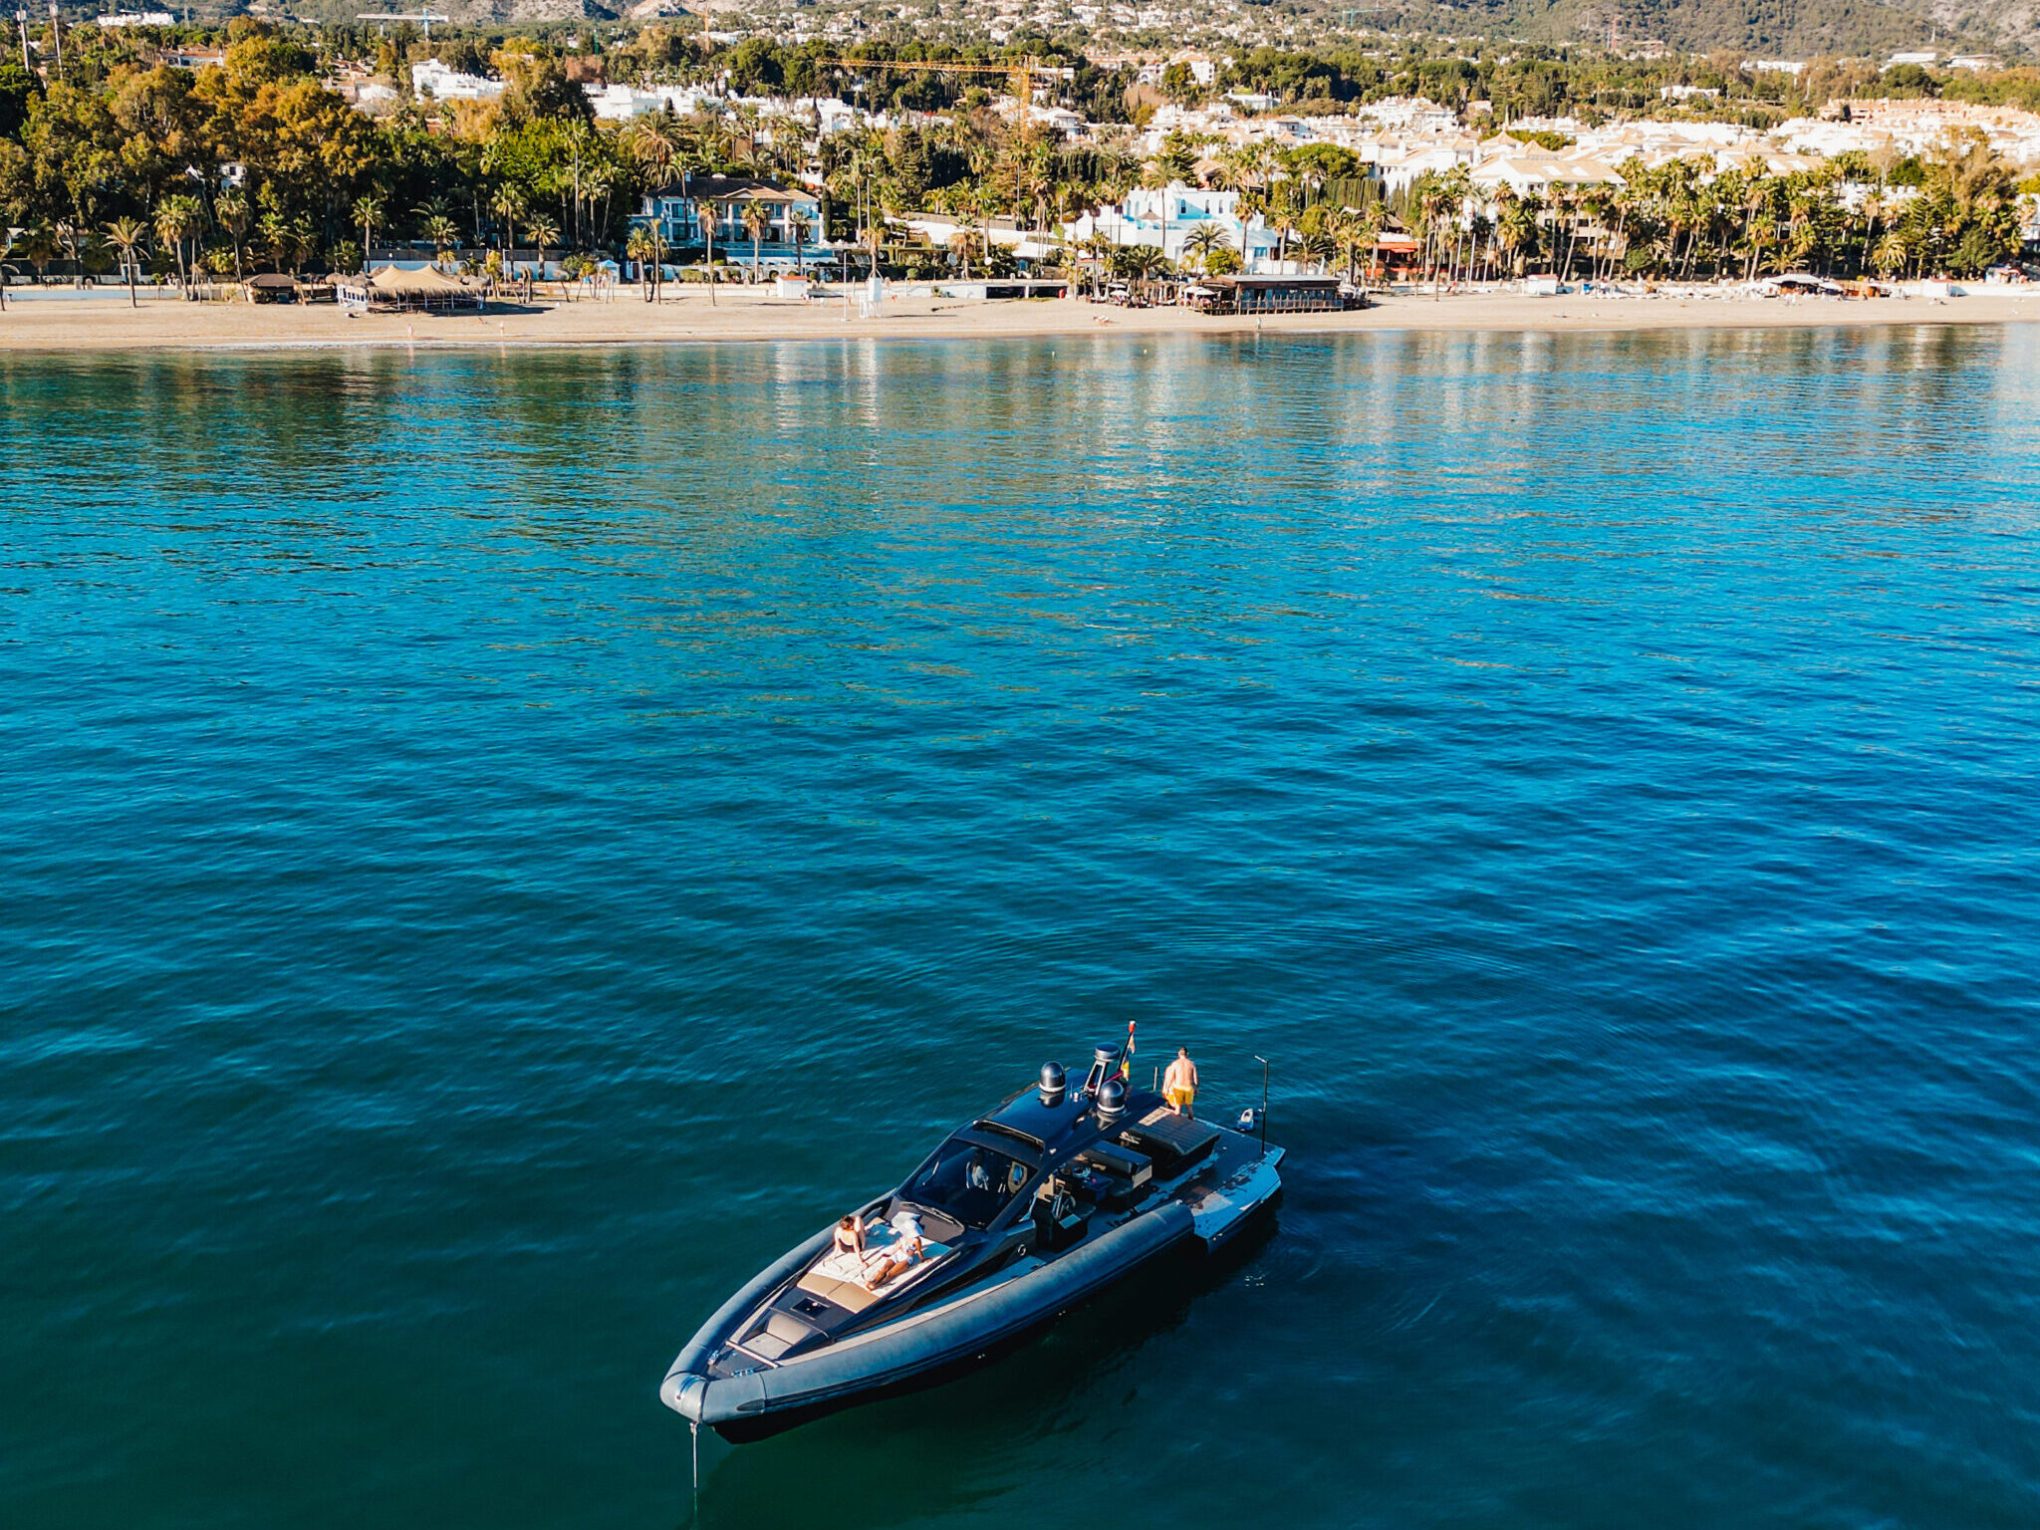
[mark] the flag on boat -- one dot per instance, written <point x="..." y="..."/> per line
<point x="1126" y="1060"/>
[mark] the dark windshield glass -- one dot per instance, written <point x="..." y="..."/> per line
<point x="971" y="1183"/>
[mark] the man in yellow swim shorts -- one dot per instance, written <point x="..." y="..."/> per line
<point x="1179" y="1084"/>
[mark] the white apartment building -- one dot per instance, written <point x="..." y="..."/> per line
<point x="619" y="103"/>
<point x="433" y="80"/>
<point x="1166" y="218"/>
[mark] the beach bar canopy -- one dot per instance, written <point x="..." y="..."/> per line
<point x="271" y="287"/>
<point x="393" y="289"/>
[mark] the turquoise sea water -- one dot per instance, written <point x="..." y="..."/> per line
<point x="494" y="848"/>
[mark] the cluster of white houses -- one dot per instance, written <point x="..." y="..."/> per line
<point x="1181" y="220"/>
<point x="1397" y="139"/>
<point x="789" y="230"/>
<point x="1395" y="142"/>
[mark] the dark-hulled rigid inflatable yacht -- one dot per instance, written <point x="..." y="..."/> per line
<point x="1020" y="1215"/>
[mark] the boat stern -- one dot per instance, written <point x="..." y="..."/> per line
<point x="1252" y="1184"/>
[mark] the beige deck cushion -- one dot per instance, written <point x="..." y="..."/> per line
<point x="847" y="1294"/>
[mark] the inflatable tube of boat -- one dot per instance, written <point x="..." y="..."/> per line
<point x="919" y="1342"/>
<point x="711" y="1335"/>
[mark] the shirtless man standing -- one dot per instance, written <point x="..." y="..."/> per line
<point x="1179" y="1084"/>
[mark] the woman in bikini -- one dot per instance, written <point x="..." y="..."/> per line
<point x="907" y="1240"/>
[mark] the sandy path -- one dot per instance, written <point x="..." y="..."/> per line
<point x="108" y="323"/>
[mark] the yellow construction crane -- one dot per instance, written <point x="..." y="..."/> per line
<point x="1021" y="74"/>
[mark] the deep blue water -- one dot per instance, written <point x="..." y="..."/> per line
<point x="493" y="848"/>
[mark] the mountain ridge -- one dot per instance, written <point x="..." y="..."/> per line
<point x="1792" y="29"/>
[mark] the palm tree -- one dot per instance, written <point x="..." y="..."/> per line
<point x="963" y="245"/>
<point x="1892" y="254"/>
<point x="799" y="225"/>
<point x="286" y="239"/>
<point x="125" y="235"/>
<point x="1352" y="237"/>
<point x="1203" y="241"/>
<point x="982" y="153"/>
<point x="300" y="240"/>
<point x="1160" y="176"/>
<point x="706" y="211"/>
<point x="1098" y="248"/>
<point x="544" y="234"/>
<point x="1432" y="197"/>
<point x="1370" y="237"/>
<point x="653" y="141"/>
<point x="1034" y="176"/>
<point x="647" y="247"/>
<point x="598" y="185"/>
<point x="39" y="244"/>
<point x="852" y="174"/>
<point x="748" y="119"/>
<point x="177" y="219"/>
<point x="980" y="200"/>
<point x="1283" y="226"/>
<point x="275" y="236"/>
<point x="444" y="234"/>
<point x="876" y="223"/>
<point x="1756" y="202"/>
<point x="1143" y="263"/>
<point x="1516" y="227"/>
<point x="642" y="248"/>
<point x="429" y="209"/>
<point x="368" y="212"/>
<point x="76" y="239"/>
<point x="1566" y="211"/>
<point x="508" y="205"/>
<point x="1238" y="168"/>
<point x="757" y="223"/>
<point x="787" y="153"/>
<point x="237" y="217"/>
<point x="1318" y="246"/>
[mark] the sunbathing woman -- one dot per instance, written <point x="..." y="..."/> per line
<point x="907" y="1240"/>
<point x="850" y="1236"/>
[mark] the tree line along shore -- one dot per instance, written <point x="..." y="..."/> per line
<point x="231" y="152"/>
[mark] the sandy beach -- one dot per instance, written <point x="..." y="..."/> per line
<point x="105" y="322"/>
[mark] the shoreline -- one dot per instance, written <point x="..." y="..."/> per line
<point x="45" y="325"/>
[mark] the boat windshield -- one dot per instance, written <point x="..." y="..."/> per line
<point x="969" y="1182"/>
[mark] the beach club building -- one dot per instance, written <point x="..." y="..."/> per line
<point x="395" y="289"/>
<point x="677" y="211"/>
<point x="1169" y="217"/>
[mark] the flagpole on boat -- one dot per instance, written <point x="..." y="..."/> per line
<point x="1264" y="1102"/>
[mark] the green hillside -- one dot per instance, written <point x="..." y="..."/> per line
<point x="1771" y="28"/>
